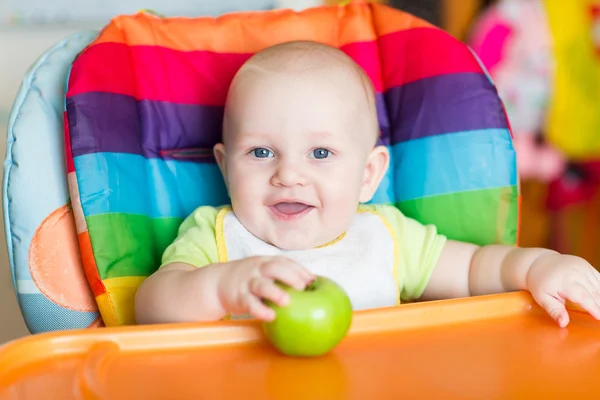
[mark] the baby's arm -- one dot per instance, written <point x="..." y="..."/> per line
<point x="180" y="292"/>
<point x="192" y="285"/>
<point x="467" y="270"/>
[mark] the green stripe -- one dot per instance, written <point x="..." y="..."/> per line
<point x="129" y="244"/>
<point x="479" y="216"/>
<point x="132" y="245"/>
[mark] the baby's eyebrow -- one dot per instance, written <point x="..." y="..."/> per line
<point x="323" y="138"/>
<point x="242" y="136"/>
<point x="324" y="135"/>
<point x="321" y="133"/>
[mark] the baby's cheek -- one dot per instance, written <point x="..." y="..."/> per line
<point x="342" y="205"/>
<point x="242" y="184"/>
<point x="344" y="189"/>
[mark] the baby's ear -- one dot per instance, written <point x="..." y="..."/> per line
<point x="221" y="157"/>
<point x="378" y="162"/>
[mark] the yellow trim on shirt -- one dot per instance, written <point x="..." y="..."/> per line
<point x="334" y="241"/>
<point x="221" y="243"/>
<point x="220" y="234"/>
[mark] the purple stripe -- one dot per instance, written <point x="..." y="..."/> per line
<point x="99" y="121"/>
<point x="444" y="104"/>
<point x="107" y="122"/>
<point x="384" y="122"/>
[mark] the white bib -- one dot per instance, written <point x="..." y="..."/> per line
<point x="361" y="262"/>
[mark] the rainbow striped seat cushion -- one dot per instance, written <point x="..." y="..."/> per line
<point x="144" y="107"/>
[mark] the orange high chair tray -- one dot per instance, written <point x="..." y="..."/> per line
<point x="491" y="347"/>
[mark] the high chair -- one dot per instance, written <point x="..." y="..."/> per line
<point x="123" y="122"/>
<point x="110" y="144"/>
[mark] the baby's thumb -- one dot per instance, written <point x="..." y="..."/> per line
<point x="555" y="308"/>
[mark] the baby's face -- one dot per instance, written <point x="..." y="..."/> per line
<point x="295" y="158"/>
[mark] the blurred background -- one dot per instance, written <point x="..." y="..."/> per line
<point x="525" y="44"/>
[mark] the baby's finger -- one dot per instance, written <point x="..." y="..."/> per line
<point x="285" y="271"/>
<point x="555" y="308"/>
<point x="304" y="273"/>
<point x="259" y="310"/>
<point x="267" y="289"/>
<point x="594" y="277"/>
<point x="579" y="293"/>
<point x="594" y="286"/>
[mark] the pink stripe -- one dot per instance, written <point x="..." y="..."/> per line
<point x="408" y="56"/>
<point x="202" y="77"/>
<point x="157" y="73"/>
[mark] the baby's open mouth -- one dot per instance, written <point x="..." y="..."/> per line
<point x="290" y="210"/>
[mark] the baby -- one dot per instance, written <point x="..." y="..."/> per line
<point x="300" y="160"/>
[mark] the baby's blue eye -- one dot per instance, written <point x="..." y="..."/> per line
<point x="320" y="154"/>
<point x="262" y="153"/>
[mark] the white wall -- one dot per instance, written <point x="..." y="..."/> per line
<point x="20" y="46"/>
<point x="56" y="11"/>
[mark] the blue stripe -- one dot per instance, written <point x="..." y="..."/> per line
<point x="454" y="162"/>
<point x="385" y="193"/>
<point x="435" y="165"/>
<point x="130" y="183"/>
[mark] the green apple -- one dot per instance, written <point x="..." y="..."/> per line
<point x="315" y="320"/>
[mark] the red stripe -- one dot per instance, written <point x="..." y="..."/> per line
<point x="366" y="54"/>
<point x="89" y="264"/>
<point x="155" y="73"/>
<point x="202" y="77"/>
<point x="68" y="150"/>
<point x="158" y="73"/>
<point x="408" y="56"/>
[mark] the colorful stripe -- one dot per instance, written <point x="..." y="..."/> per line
<point x="149" y="127"/>
<point x="479" y="216"/>
<point x="140" y="127"/>
<point x="130" y="245"/>
<point x="89" y="264"/>
<point x="163" y="74"/>
<point x="136" y="243"/>
<point x="68" y="152"/>
<point x="227" y="34"/>
<point x="389" y="20"/>
<point x="409" y="56"/>
<point x="125" y="183"/>
<point x="453" y="163"/>
<point x="118" y="304"/>
<point x="440" y="105"/>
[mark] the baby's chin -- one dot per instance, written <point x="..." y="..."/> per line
<point x="292" y="241"/>
<point x="290" y="238"/>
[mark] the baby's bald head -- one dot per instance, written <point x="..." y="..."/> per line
<point x="304" y="60"/>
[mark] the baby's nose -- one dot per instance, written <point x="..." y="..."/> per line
<point x="288" y="174"/>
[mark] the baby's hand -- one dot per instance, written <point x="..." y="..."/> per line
<point x="248" y="281"/>
<point x="554" y="278"/>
